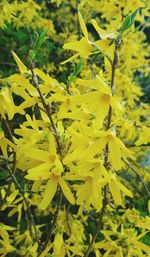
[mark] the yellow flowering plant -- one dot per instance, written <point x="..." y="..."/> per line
<point x="71" y="177"/>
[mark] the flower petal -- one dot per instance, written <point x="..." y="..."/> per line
<point x="49" y="192"/>
<point x="66" y="190"/>
<point x="22" y="68"/>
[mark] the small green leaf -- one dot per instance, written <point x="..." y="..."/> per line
<point x="77" y="69"/>
<point x="129" y="20"/>
<point x="31" y="55"/>
<point x="39" y="41"/>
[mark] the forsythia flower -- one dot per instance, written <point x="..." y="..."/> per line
<point x="144" y="136"/>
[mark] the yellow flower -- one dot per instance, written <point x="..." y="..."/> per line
<point x="51" y="188"/>
<point x="116" y="148"/>
<point x="102" y="33"/>
<point x="144" y="136"/>
<point x="84" y="47"/>
<point x="7" y="103"/>
<point x="4" y="143"/>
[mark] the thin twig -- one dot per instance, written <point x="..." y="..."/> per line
<point x="9" y="133"/>
<point x="106" y="163"/>
<point x="144" y="25"/>
<point x="99" y="224"/>
<point x="47" y="109"/>
<point x="67" y="219"/>
<point x="53" y="223"/>
<point x="8" y="63"/>
<point x="10" y="136"/>
<point x="29" y="213"/>
<point x="14" y="179"/>
<point x="128" y="144"/>
<point x="109" y="59"/>
<point x="59" y="150"/>
<point x="138" y="175"/>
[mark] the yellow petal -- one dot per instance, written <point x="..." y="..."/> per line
<point x="39" y="172"/>
<point x="124" y="189"/>
<point x="22" y="68"/>
<point x="52" y="144"/>
<point x="44" y="253"/>
<point x="83" y="47"/>
<point x="82" y="24"/>
<point x="66" y="190"/>
<point x="36" y="176"/>
<point x="115" y="154"/>
<point x="12" y="196"/>
<point x="95" y="148"/>
<point x="145" y="225"/>
<point x="83" y="192"/>
<point x="6" y="227"/>
<point x="49" y="192"/>
<point x="142" y="246"/>
<point x="58" y="242"/>
<point x="70" y="59"/>
<point x="115" y="192"/>
<point x="73" y="156"/>
<point x="38" y="154"/>
<point x="102" y="33"/>
<point x="3" y="146"/>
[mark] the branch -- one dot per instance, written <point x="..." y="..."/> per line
<point x="10" y="136"/>
<point x="59" y="149"/>
<point x="67" y="219"/>
<point x="138" y="175"/>
<point x="144" y="25"/>
<point x="14" y="179"/>
<point x="109" y="59"/>
<point x="99" y="224"/>
<point x="8" y="63"/>
<point x="47" y="109"/>
<point x="29" y="213"/>
<point x="106" y="164"/>
<point x="128" y="144"/>
<point x="54" y="222"/>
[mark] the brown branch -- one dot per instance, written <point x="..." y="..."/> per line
<point x="9" y="133"/>
<point x="128" y="145"/>
<point x="8" y="63"/>
<point x="10" y="136"/>
<point x="114" y="65"/>
<point x="29" y="213"/>
<point x="53" y="223"/>
<point x="59" y="150"/>
<point x="14" y="179"/>
<point x="67" y="219"/>
<point x="138" y="175"/>
<point x="109" y="59"/>
<point x="106" y="163"/>
<point x="99" y="224"/>
<point x="47" y="109"/>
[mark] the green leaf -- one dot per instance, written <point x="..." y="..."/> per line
<point x="39" y="41"/>
<point x="77" y="69"/>
<point x="129" y="20"/>
<point x="31" y="55"/>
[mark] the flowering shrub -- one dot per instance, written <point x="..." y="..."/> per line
<point x="74" y="131"/>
